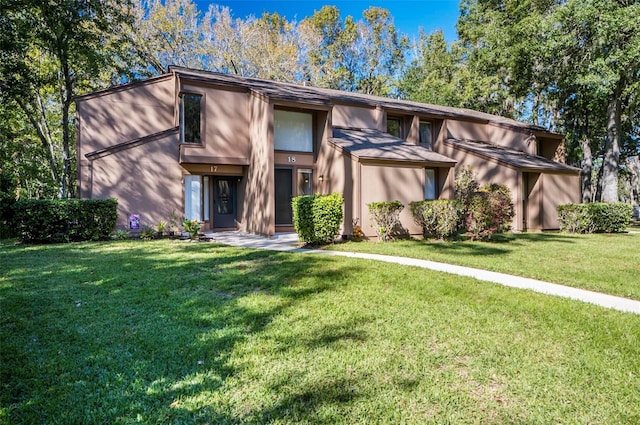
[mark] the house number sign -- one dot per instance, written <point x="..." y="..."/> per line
<point x="291" y="159"/>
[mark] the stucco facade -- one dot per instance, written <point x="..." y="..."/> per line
<point x="231" y="152"/>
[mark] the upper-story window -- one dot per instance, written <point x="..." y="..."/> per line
<point x="190" y="117"/>
<point x="394" y="127"/>
<point x="426" y="134"/>
<point x="293" y="131"/>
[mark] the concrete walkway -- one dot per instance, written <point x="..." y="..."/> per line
<point x="289" y="242"/>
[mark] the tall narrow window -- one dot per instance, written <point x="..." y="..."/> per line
<point x="293" y="131"/>
<point x="193" y="197"/>
<point x="394" y="126"/>
<point x="429" y="184"/>
<point x="426" y="135"/>
<point x="190" y="118"/>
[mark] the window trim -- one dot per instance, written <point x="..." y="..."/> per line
<point x="435" y="184"/>
<point x="420" y="142"/>
<point x="400" y="119"/>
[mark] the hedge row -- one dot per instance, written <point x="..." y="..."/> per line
<point x="65" y="220"/>
<point x="317" y="218"/>
<point x="595" y="217"/>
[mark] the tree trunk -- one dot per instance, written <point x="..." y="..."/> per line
<point x="634" y="168"/>
<point x="587" y="166"/>
<point x="612" y="149"/>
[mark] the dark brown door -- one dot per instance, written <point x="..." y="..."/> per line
<point x="284" y="193"/>
<point x="224" y="202"/>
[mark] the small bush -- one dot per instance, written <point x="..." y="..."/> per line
<point x="439" y="219"/>
<point x="317" y="218"/>
<point x="120" y="235"/>
<point x="64" y="220"/>
<point x="192" y="227"/>
<point x="597" y="217"/>
<point x="147" y="233"/>
<point x="385" y="217"/>
<point x="490" y="211"/>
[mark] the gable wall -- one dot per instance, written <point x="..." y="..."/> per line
<point x="496" y="135"/>
<point x="122" y="115"/>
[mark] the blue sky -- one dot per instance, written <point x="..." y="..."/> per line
<point x="409" y="15"/>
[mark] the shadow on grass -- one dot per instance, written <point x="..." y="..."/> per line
<point x="119" y="332"/>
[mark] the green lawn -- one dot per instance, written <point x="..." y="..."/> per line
<point x="177" y="332"/>
<point x="600" y="262"/>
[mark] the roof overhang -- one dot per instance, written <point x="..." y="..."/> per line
<point x="374" y="145"/>
<point x="511" y="157"/>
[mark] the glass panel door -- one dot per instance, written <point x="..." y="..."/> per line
<point x="224" y="207"/>
<point x="284" y="193"/>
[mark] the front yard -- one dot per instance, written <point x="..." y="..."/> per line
<point x="175" y="332"/>
<point x="608" y="263"/>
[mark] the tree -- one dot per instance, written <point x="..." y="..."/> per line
<point x="57" y="49"/>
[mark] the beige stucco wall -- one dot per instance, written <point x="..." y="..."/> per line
<point x="558" y="189"/>
<point x="388" y="183"/>
<point x="501" y="136"/>
<point x="356" y="117"/>
<point x="146" y="180"/>
<point x="258" y="186"/>
<point x="108" y="118"/>
<point x="225" y="124"/>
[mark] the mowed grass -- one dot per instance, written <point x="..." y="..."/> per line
<point x="174" y="332"/>
<point x="608" y="263"/>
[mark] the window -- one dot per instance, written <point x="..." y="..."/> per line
<point x="305" y="182"/>
<point x="193" y="197"/>
<point x="394" y="126"/>
<point x="190" y="118"/>
<point x="293" y="131"/>
<point x="426" y="135"/>
<point x="429" y="184"/>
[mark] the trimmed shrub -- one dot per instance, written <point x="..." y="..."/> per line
<point x="490" y="211"/>
<point x="65" y="220"/>
<point x="317" y="218"/>
<point x="303" y="217"/>
<point x="385" y="217"/>
<point x="597" y="217"/>
<point x="575" y="218"/>
<point x="439" y="219"/>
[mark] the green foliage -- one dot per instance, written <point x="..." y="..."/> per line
<point x="439" y="219"/>
<point x="161" y="227"/>
<point x="575" y="218"/>
<point x="491" y="211"/>
<point x="120" y="235"/>
<point x="50" y="221"/>
<point x="147" y="233"/>
<point x="317" y="218"/>
<point x="386" y="218"/>
<point x="598" y="217"/>
<point x="465" y="186"/>
<point x="192" y="227"/>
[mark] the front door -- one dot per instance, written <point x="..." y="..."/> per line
<point x="284" y="193"/>
<point x="224" y="202"/>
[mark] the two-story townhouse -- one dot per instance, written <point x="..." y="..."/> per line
<point x="231" y="152"/>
